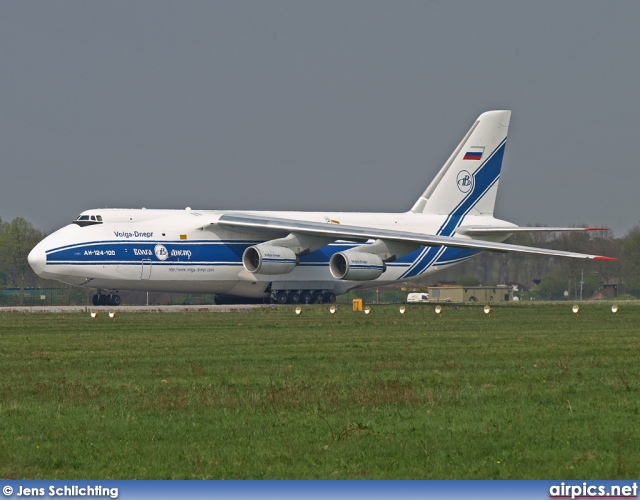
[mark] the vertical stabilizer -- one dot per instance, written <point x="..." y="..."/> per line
<point x="468" y="181"/>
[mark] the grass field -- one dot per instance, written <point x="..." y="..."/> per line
<point x="526" y="392"/>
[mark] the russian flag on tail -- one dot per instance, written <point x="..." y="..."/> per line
<point x="473" y="154"/>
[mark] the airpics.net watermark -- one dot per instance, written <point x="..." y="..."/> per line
<point x="61" y="491"/>
<point x="586" y="490"/>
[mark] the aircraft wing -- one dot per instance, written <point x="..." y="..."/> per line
<point x="279" y="226"/>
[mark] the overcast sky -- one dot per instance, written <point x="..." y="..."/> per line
<point x="315" y="105"/>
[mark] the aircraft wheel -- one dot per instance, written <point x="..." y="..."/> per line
<point x="473" y="299"/>
<point x="281" y="297"/>
<point x="318" y="297"/>
<point x="294" y="298"/>
<point x="103" y="300"/>
<point x="115" y="300"/>
<point x="307" y="297"/>
<point x="96" y="300"/>
<point x="330" y="297"/>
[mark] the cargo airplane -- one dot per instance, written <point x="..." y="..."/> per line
<point x="292" y="257"/>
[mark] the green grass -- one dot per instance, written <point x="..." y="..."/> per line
<point x="527" y="392"/>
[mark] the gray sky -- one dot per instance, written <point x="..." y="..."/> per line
<point x="315" y="105"/>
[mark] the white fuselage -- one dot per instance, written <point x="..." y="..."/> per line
<point x="185" y="251"/>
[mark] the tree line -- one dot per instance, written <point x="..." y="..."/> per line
<point x="17" y="238"/>
<point x="551" y="276"/>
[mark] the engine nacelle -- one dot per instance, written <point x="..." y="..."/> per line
<point x="265" y="259"/>
<point x="356" y="266"/>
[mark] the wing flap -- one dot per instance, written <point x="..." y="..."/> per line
<point x="501" y="230"/>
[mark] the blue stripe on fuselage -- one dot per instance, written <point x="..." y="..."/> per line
<point x="191" y="252"/>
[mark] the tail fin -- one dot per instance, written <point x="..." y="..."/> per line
<point x="468" y="181"/>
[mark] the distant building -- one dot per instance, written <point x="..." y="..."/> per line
<point x="459" y="293"/>
<point x="612" y="288"/>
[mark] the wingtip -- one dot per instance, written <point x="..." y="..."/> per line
<point x="601" y="257"/>
<point x="596" y="229"/>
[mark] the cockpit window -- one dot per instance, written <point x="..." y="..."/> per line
<point x="88" y="220"/>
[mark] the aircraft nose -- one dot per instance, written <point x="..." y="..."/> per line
<point x="37" y="259"/>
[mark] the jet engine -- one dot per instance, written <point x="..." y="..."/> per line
<point x="356" y="266"/>
<point x="266" y="259"/>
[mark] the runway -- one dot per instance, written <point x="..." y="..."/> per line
<point x="133" y="309"/>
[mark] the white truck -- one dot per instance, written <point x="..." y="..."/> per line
<point x="418" y="297"/>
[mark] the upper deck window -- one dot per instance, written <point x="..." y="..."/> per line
<point x="88" y="220"/>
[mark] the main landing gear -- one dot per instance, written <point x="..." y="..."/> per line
<point x="106" y="300"/>
<point x="303" y="297"/>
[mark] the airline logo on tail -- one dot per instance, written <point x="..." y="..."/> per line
<point x="464" y="181"/>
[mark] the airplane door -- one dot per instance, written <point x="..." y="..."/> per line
<point x="146" y="269"/>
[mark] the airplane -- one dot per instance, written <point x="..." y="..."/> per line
<point x="294" y="257"/>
